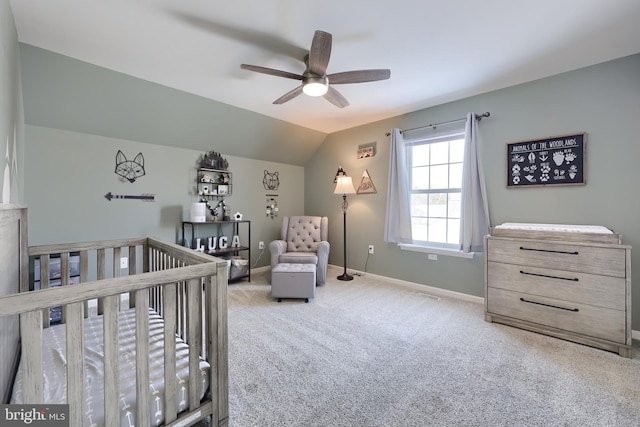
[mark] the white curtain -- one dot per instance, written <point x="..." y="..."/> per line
<point x="475" y="212"/>
<point x="397" y="228"/>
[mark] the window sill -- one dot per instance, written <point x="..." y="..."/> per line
<point x="436" y="251"/>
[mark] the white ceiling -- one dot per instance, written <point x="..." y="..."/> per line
<point x="438" y="50"/>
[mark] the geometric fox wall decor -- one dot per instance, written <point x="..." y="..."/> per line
<point x="129" y="169"/>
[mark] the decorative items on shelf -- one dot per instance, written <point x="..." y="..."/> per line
<point x="227" y="240"/>
<point x="213" y="160"/>
<point x="216" y="243"/>
<point x="219" y="211"/>
<point x="219" y="178"/>
<point x="272" y="206"/>
<point x="213" y="179"/>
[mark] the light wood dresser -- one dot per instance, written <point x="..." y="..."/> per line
<point x="574" y="285"/>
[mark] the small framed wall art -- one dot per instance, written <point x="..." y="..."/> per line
<point x="558" y="160"/>
<point x="366" y="150"/>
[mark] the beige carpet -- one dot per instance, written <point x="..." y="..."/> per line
<point x="370" y="353"/>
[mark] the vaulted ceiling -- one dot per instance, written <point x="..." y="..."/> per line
<point x="437" y="50"/>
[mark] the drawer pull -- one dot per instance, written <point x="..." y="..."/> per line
<point x="575" y="310"/>
<point x="574" y="279"/>
<point x="522" y="248"/>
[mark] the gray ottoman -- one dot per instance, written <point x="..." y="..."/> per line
<point x="293" y="281"/>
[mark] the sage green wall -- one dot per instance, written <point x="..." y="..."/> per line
<point x="64" y="93"/>
<point x="68" y="174"/>
<point x="602" y="100"/>
<point x="11" y="110"/>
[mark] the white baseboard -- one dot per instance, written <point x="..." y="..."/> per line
<point x="436" y="291"/>
<point x="417" y="286"/>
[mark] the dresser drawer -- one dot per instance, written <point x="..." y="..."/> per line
<point x="601" y="260"/>
<point x="605" y="291"/>
<point x="588" y="320"/>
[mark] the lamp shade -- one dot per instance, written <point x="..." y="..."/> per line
<point x="344" y="186"/>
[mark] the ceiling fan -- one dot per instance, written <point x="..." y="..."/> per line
<point x="315" y="81"/>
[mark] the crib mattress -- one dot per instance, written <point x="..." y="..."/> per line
<point x="55" y="379"/>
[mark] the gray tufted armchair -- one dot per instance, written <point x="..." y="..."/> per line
<point x="303" y="239"/>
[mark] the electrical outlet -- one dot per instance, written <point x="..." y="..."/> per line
<point x="371" y="249"/>
<point x="432" y="257"/>
<point x="124" y="262"/>
<point x="260" y="245"/>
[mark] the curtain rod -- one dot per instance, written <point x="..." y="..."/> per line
<point x="487" y="114"/>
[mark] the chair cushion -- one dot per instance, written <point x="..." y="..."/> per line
<point x="299" y="258"/>
<point x="303" y="234"/>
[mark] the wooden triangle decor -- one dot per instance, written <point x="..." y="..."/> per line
<point x="366" y="184"/>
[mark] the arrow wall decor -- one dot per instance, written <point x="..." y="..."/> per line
<point x="143" y="197"/>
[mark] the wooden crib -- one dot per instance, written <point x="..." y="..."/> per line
<point x="186" y="289"/>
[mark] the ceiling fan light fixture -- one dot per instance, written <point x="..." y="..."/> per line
<point x="315" y="81"/>
<point x="315" y="86"/>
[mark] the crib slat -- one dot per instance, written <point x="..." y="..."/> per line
<point x="170" y="403"/>
<point x="142" y="358"/>
<point x="84" y="276"/>
<point x="211" y="343"/>
<point x="111" y="366"/>
<point x="195" y="335"/>
<point x="116" y="267"/>
<point x="222" y="339"/>
<point x="154" y="290"/>
<point x="64" y="279"/>
<point x="44" y="284"/>
<point x="31" y="332"/>
<point x="133" y="270"/>
<point x="116" y="261"/>
<point x="133" y="260"/>
<point x="64" y="269"/>
<point x="181" y="312"/>
<point x="75" y="362"/>
<point x="101" y="270"/>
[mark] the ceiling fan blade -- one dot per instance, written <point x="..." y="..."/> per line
<point x="320" y="53"/>
<point x="358" y="76"/>
<point x="336" y="98"/>
<point x="289" y="95"/>
<point x="271" y="71"/>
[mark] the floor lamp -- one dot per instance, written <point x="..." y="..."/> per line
<point x="344" y="186"/>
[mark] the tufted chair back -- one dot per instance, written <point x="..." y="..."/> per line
<point x="303" y="239"/>
<point x="304" y="233"/>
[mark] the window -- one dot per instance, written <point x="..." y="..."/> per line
<point x="436" y="200"/>
<point x="435" y="187"/>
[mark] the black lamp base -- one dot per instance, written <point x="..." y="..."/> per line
<point x="345" y="276"/>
